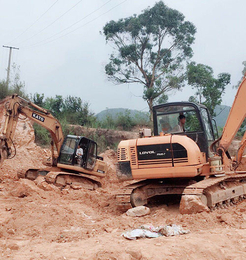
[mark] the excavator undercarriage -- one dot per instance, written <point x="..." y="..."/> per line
<point x="62" y="179"/>
<point x="212" y="193"/>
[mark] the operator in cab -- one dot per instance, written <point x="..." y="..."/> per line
<point x="180" y="126"/>
<point x="79" y="154"/>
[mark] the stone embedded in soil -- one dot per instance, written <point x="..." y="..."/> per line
<point x="134" y="253"/>
<point x="138" y="211"/>
<point x="190" y="204"/>
<point x="243" y="226"/>
<point x="13" y="246"/>
<point x="227" y="218"/>
<point x="42" y="184"/>
<point x="19" y="190"/>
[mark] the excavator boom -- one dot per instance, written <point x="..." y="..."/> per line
<point x="17" y="106"/>
<point x="235" y="118"/>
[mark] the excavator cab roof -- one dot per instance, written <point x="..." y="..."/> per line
<point x="198" y="124"/>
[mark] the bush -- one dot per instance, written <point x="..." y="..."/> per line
<point x="42" y="136"/>
<point x="108" y="122"/>
<point x="125" y="121"/>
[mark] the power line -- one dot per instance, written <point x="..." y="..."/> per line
<point x="81" y="25"/>
<point x="53" y="22"/>
<point x="74" y="23"/>
<point x="35" y="21"/>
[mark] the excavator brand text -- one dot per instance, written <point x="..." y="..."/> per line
<point x="38" y="117"/>
<point x="146" y="152"/>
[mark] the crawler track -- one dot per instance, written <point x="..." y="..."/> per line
<point x="62" y="179"/>
<point x="124" y="198"/>
<point x="218" y="192"/>
<point x="138" y="193"/>
<point x="214" y="192"/>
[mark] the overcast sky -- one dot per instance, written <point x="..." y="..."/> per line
<point x="62" y="52"/>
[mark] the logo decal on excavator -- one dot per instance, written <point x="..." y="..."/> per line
<point x="147" y="152"/>
<point x="38" y="117"/>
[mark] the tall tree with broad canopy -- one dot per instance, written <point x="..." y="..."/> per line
<point x="150" y="49"/>
<point x="209" y="89"/>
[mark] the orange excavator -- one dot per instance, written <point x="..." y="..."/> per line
<point x="187" y="160"/>
<point x="66" y="166"/>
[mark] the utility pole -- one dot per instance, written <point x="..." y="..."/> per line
<point x="8" y="70"/>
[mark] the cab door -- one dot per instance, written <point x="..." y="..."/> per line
<point x="91" y="155"/>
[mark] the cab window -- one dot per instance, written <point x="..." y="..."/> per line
<point x="168" y="119"/>
<point x="208" y="127"/>
<point x="92" y="156"/>
<point x="67" y="151"/>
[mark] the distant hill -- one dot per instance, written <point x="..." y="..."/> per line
<point x="114" y="112"/>
<point x="221" y="111"/>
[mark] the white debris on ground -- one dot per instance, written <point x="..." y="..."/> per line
<point x="138" y="211"/>
<point x="140" y="233"/>
<point x="149" y="231"/>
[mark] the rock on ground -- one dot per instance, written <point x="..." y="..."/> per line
<point x="190" y="204"/>
<point x="138" y="211"/>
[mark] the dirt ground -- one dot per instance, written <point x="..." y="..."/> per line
<point x="40" y="221"/>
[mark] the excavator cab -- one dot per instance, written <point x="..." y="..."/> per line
<point x="198" y="124"/>
<point x="69" y="152"/>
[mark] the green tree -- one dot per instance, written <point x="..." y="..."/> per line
<point x="38" y="99"/>
<point x="55" y="105"/>
<point x="108" y="122"/>
<point x="3" y="89"/>
<point x="15" y="85"/>
<point x="209" y="89"/>
<point x="77" y="112"/>
<point x="243" y="73"/>
<point x="162" y="99"/>
<point x="150" y="49"/>
<point x="70" y="109"/>
<point x="125" y="121"/>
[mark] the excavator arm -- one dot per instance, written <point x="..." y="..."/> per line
<point x="17" y="106"/>
<point x="234" y="121"/>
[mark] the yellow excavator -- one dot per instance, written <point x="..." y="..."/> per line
<point x="187" y="160"/>
<point x="66" y="166"/>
